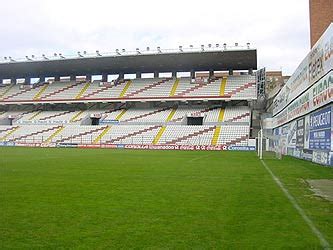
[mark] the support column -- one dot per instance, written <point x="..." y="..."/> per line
<point x="121" y="76"/>
<point x="174" y="74"/>
<point x="72" y="77"/>
<point x="13" y="80"/>
<point x="104" y="77"/>
<point x="88" y="78"/>
<point x="211" y="73"/>
<point x="27" y="80"/>
<point x="231" y="72"/>
<point x="192" y="74"/>
<point x="250" y="71"/>
<point x="57" y="78"/>
<point x="42" y="79"/>
<point x="138" y="75"/>
<point x="1" y="81"/>
<point x="156" y="74"/>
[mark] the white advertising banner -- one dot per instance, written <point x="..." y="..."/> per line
<point x="315" y="65"/>
<point x="317" y="96"/>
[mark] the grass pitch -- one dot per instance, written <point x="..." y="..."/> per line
<point x="73" y="198"/>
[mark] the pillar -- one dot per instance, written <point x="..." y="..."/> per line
<point x="137" y="75"/>
<point x="192" y="74"/>
<point x="231" y="72"/>
<point x="104" y="77"/>
<point x="88" y="78"/>
<point x="57" y="78"/>
<point x="156" y="74"/>
<point x="174" y="74"/>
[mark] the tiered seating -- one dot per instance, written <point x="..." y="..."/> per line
<point x="234" y="135"/>
<point x="241" y="87"/>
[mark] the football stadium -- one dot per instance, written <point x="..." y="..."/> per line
<point x="194" y="147"/>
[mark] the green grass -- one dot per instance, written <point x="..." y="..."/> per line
<point x="73" y="198"/>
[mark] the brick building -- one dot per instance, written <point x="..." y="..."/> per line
<point x="321" y="15"/>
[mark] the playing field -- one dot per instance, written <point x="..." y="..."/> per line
<point x="73" y="198"/>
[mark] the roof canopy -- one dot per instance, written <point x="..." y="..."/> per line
<point x="143" y="63"/>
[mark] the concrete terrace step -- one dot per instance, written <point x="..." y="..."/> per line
<point x="200" y="132"/>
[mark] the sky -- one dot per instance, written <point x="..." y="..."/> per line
<point x="279" y="30"/>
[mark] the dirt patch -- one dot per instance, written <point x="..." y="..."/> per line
<point x="322" y="188"/>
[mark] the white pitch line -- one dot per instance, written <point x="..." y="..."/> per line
<point x="324" y="243"/>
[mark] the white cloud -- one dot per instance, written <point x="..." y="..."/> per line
<point x="278" y="29"/>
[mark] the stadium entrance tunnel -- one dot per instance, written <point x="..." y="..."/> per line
<point x="194" y="120"/>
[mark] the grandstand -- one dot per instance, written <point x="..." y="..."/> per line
<point x="214" y="111"/>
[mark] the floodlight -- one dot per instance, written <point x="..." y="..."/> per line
<point x="84" y="52"/>
<point x="202" y="47"/>
<point x="148" y="48"/>
<point x="209" y="45"/>
<point x="123" y="50"/>
<point x="225" y="46"/>
<point x="138" y="50"/>
<point x="159" y="49"/>
<point x="248" y="45"/>
<point x="117" y="51"/>
<point x="217" y="45"/>
<point x="181" y="48"/>
<point x="191" y="46"/>
<point x="79" y="54"/>
<point x="55" y="54"/>
<point x="236" y="44"/>
<point x="5" y="58"/>
<point x="97" y="52"/>
<point x="44" y="57"/>
<point x="61" y="56"/>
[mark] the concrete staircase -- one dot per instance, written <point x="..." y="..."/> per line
<point x="185" y="137"/>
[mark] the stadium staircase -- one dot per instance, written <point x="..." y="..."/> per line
<point x="126" y="87"/>
<point x="41" y="91"/>
<point x="149" y="86"/>
<point x="58" y="131"/>
<point x="83" y="90"/>
<point x="80" y="134"/>
<point x="11" y="131"/>
<point x="174" y="88"/>
<point x="223" y="85"/>
<point x="61" y="90"/>
<point x="145" y="115"/>
<point x="101" y="135"/>
<point x="239" y="89"/>
<point x="34" y="133"/>
<point x="238" y="117"/>
<point x="55" y="115"/>
<point x="21" y="92"/>
<point x="7" y="90"/>
<point x="162" y="129"/>
<point x="217" y="130"/>
<point x="132" y="134"/>
<point x="185" y="137"/>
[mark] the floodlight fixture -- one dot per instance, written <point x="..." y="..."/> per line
<point x="209" y="45"/>
<point x="123" y="50"/>
<point x="55" y="54"/>
<point x="97" y="52"/>
<point x="191" y="46"/>
<point x="45" y="57"/>
<point x="225" y="46"/>
<point x="138" y="51"/>
<point x="5" y="57"/>
<point x="61" y="56"/>
<point x="79" y="54"/>
<point x="159" y="49"/>
<point x="181" y="48"/>
<point x="27" y="57"/>
<point x="202" y="47"/>
<point x="84" y="52"/>
<point x="236" y="44"/>
<point x="248" y="45"/>
<point x="217" y="45"/>
<point x="11" y="59"/>
<point x="147" y="48"/>
<point x="118" y="53"/>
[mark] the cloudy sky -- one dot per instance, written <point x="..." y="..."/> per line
<point x="278" y="29"/>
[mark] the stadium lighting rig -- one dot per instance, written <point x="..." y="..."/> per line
<point x="202" y="47"/>
<point x="98" y="54"/>
<point x="61" y="56"/>
<point x="117" y="52"/>
<point x="181" y="48"/>
<point x="225" y="46"/>
<point x="248" y="45"/>
<point x="138" y="51"/>
<point x="159" y="49"/>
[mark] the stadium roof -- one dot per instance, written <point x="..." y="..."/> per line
<point x="184" y="60"/>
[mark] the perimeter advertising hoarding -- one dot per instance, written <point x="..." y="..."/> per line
<point x="310" y="137"/>
<point x="315" y="65"/>
<point x="317" y="96"/>
<point x="320" y="129"/>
